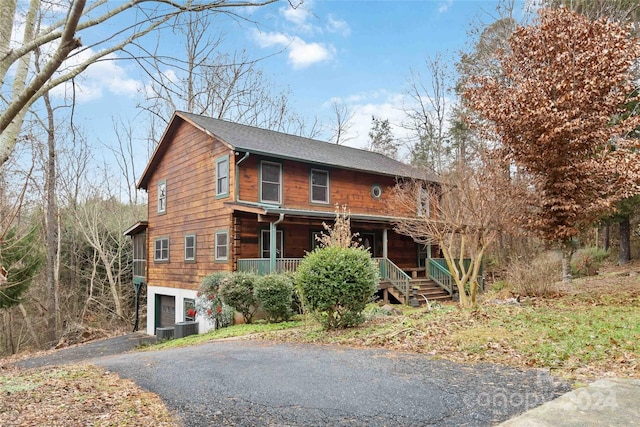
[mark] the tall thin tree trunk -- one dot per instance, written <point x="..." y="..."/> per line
<point x="51" y="227"/>
<point x="606" y="237"/>
<point x="625" y="240"/>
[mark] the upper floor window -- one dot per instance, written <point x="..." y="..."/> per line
<point x="162" y="196"/>
<point x="222" y="246"/>
<point x="423" y="202"/>
<point x="190" y="247"/>
<point x="319" y="186"/>
<point x="161" y="249"/>
<point x="222" y="176"/>
<point x="270" y="182"/>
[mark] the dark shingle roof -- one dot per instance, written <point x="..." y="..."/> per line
<point x="282" y="145"/>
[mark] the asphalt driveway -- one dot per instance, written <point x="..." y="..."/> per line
<point x="251" y="383"/>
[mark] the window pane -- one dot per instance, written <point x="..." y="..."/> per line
<point x="222" y="174"/>
<point x="271" y="192"/>
<point x="319" y="178"/>
<point x="221" y="246"/>
<point x="319" y="194"/>
<point x="270" y="173"/>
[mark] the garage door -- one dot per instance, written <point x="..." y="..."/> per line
<point x="167" y="313"/>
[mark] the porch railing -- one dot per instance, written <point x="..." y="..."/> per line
<point x="439" y="273"/>
<point x="262" y="265"/>
<point x="393" y="274"/>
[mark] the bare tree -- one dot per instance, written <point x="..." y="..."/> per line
<point x="343" y="122"/>
<point x="67" y="57"/>
<point x="427" y="115"/>
<point x="463" y="216"/>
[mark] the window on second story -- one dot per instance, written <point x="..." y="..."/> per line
<point x="222" y="246"/>
<point x="423" y="202"/>
<point x="190" y="247"/>
<point x="319" y="186"/>
<point x="222" y="176"/>
<point x="161" y="249"/>
<point x="270" y="182"/>
<point x="162" y="196"/>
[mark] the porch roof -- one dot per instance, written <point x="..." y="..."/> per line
<point x="264" y="209"/>
<point x="137" y="228"/>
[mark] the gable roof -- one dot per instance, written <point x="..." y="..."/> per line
<point x="285" y="146"/>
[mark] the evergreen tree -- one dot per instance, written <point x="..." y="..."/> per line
<point x="22" y="258"/>
<point x="381" y="138"/>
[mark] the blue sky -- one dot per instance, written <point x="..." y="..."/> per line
<point x="357" y="52"/>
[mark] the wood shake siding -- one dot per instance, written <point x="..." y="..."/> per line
<point x="188" y="166"/>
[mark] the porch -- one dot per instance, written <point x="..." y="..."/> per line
<point x="432" y="282"/>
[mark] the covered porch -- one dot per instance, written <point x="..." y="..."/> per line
<point x="276" y="240"/>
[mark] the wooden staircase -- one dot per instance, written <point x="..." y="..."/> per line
<point x="428" y="290"/>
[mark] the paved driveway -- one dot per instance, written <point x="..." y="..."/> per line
<point x="249" y="383"/>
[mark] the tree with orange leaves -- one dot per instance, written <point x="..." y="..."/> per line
<point x="558" y="109"/>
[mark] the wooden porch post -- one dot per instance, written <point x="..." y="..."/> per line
<point x="273" y="247"/>
<point x="385" y="253"/>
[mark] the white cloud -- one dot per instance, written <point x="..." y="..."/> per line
<point x="301" y="54"/>
<point x="298" y="13"/>
<point x="335" y="25"/>
<point x="381" y="104"/>
<point x="100" y="77"/>
<point x="445" y="6"/>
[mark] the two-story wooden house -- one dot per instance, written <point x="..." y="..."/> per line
<point x="225" y="196"/>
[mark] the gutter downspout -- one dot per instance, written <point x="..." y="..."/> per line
<point x="237" y="183"/>
<point x="273" y="244"/>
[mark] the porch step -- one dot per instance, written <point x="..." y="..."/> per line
<point x="427" y="288"/>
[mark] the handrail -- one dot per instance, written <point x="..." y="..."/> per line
<point x="394" y="275"/>
<point x="262" y="266"/>
<point x="441" y="275"/>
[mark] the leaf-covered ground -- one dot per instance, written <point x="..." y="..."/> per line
<point x="589" y="330"/>
<point x="76" y="396"/>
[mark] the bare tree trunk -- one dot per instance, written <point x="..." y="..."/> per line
<point x="606" y="237"/>
<point x="625" y="240"/>
<point x="27" y="320"/>
<point x="50" y="227"/>
<point x="567" y="253"/>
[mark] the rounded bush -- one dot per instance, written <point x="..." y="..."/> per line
<point x="336" y="284"/>
<point x="238" y="293"/>
<point x="275" y="294"/>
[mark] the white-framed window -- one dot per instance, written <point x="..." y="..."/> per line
<point x="161" y="249"/>
<point x="265" y="245"/>
<point x="222" y="245"/>
<point x="319" y="186"/>
<point x="270" y="182"/>
<point x="222" y="176"/>
<point x="190" y="247"/>
<point x="162" y="196"/>
<point x="189" y="309"/>
<point x="423" y="202"/>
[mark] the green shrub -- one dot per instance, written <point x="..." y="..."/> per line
<point x="275" y="294"/>
<point x="238" y="293"/>
<point x="587" y="261"/>
<point x="209" y="303"/>
<point x="336" y="284"/>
